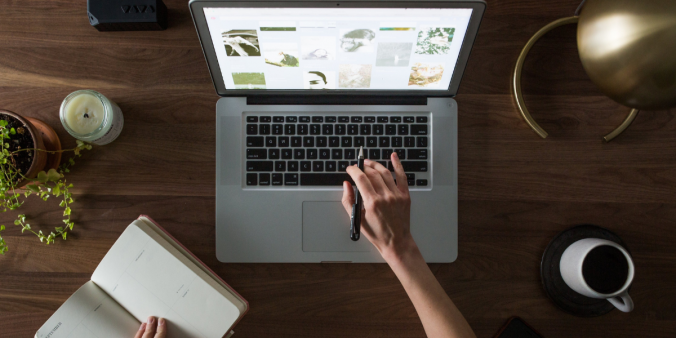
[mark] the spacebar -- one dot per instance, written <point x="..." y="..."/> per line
<point x="324" y="179"/>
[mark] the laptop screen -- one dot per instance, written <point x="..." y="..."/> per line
<point x="337" y="48"/>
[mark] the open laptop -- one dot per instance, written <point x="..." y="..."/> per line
<point x="303" y="86"/>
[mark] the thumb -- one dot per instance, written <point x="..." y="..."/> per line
<point x="348" y="197"/>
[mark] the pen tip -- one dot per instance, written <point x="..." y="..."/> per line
<point x="361" y="151"/>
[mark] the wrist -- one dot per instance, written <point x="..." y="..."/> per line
<point x="402" y="251"/>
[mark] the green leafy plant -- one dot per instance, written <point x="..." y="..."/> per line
<point x="49" y="183"/>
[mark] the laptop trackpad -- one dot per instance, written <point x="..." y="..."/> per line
<point x="326" y="227"/>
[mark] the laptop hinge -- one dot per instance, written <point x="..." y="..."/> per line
<point x="338" y="100"/>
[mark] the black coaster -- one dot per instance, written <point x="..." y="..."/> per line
<point x="561" y="294"/>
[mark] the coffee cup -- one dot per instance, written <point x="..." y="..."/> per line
<point x="599" y="268"/>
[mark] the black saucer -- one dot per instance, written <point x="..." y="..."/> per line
<point x="561" y="294"/>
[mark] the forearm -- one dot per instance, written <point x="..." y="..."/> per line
<point x="439" y="316"/>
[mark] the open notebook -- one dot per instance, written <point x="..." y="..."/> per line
<point x="148" y="273"/>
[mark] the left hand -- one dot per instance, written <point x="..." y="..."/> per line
<point x="152" y="328"/>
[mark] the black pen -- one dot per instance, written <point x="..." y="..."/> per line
<point x="355" y="220"/>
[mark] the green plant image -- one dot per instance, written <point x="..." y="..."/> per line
<point x="51" y="183"/>
<point x="434" y="40"/>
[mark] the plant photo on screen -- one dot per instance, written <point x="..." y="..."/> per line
<point x="241" y="42"/>
<point x="434" y="40"/>
<point x="249" y="80"/>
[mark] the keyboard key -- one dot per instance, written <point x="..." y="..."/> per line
<point x="355" y="119"/>
<point x="343" y="119"/>
<point x="337" y="154"/>
<point x="251" y="179"/>
<point x="290" y="129"/>
<point x="374" y="154"/>
<point x="421" y="183"/>
<point x="382" y="119"/>
<point x="391" y="129"/>
<point x="330" y="119"/>
<point x="305" y="166"/>
<point x="421" y="119"/>
<point x="299" y="154"/>
<point x="327" y="129"/>
<point x="401" y="153"/>
<point x="417" y="154"/>
<point x="409" y="119"/>
<point x="422" y="142"/>
<point x="350" y="154"/>
<point x="252" y="119"/>
<point x="290" y="179"/>
<point x="410" y="176"/>
<point x="397" y="141"/>
<point x="334" y="141"/>
<point x="257" y="154"/>
<point x="340" y="129"/>
<point x="318" y="119"/>
<point x="296" y="141"/>
<point x="378" y="129"/>
<point x="277" y="179"/>
<point x="255" y="141"/>
<point x="287" y="154"/>
<point x="403" y="129"/>
<point x="353" y="129"/>
<point x="359" y="141"/>
<point x="283" y="141"/>
<point x="324" y="154"/>
<point x="346" y="142"/>
<point x="304" y="119"/>
<point x="278" y="119"/>
<point x="414" y="165"/>
<point x="383" y="163"/>
<point x="342" y="165"/>
<point x="386" y="154"/>
<point x="370" y="119"/>
<point x="280" y="166"/>
<point x="371" y="142"/>
<point x="384" y="142"/>
<point x="321" y="141"/>
<point x="266" y="119"/>
<point x="271" y="141"/>
<point x="312" y="154"/>
<point x="411" y="183"/>
<point x="395" y="119"/>
<point x="277" y="129"/>
<point x="419" y="129"/>
<point x="318" y="166"/>
<point x="325" y="179"/>
<point x="308" y="141"/>
<point x="365" y="129"/>
<point x="315" y="129"/>
<point x="330" y="165"/>
<point x="264" y="129"/>
<point x="291" y="119"/>
<point x="258" y="165"/>
<point x="273" y="154"/>
<point x="303" y="129"/>
<point x="252" y="129"/>
<point x="292" y="165"/>
<point x="409" y="142"/>
<point x="263" y="179"/>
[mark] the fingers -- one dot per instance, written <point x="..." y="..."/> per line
<point x="348" y="197"/>
<point x="384" y="173"/>
<point x="161" y="328"/>
<point x="402" y="181"/>
<point x="141" y="331"/>
<point x="151" y="328"/>
<point x="362" y="181"/>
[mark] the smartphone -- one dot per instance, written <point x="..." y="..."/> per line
<point x="517" y="328"/>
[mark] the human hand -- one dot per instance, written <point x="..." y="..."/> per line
<point x="386" y="215"/>
<point x="152" y="328"/>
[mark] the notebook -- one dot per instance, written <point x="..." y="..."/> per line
<point x="148" y="273"/>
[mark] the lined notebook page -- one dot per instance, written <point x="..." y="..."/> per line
<point x="150" y="279"/>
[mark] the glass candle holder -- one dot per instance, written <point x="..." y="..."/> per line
<point x="89" y="116"/>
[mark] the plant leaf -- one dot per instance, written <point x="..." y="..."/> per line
<point x="42" y="177"/>
<point x="33" y="187"/>
<point x="53" y="175"/>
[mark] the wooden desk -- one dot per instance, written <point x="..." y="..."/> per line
<point x="517" y="191"/>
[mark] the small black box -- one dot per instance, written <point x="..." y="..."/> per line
<point x="127" y="15"/>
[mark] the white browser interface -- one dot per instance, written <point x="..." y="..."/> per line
<point x="337" y="48"/>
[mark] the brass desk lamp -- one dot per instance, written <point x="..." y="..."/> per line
<point x="627" y="48"/>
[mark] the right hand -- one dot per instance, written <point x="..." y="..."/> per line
<point x="152" y="328"/>
<point x="386" y="216"/>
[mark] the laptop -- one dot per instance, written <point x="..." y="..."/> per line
<point x="303" y="86"/>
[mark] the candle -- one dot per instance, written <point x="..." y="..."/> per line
<point x="89" y="116"/>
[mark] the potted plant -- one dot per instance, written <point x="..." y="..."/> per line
<point x="30" y="156"/>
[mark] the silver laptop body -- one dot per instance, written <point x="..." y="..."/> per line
<point x="388" y="72"/>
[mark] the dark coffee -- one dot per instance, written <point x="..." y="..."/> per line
<point x="605" y="269"/>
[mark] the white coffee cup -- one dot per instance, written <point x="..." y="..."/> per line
<point x="571" y="271"/>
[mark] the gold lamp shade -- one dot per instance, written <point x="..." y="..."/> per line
<point x="628" y="49"/>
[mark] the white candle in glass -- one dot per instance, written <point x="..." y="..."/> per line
<point x="84" y="113"/>
<point x="89" y="116"/>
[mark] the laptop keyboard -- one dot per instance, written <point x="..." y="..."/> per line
<point x="297" y="150"/>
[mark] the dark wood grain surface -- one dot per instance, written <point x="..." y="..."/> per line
<point x="517" y="191"/>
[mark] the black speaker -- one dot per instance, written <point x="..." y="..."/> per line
<point x="127" y="15"/>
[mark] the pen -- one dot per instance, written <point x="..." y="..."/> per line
<point x="355" y="220"/>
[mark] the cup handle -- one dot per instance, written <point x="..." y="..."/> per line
<point x="624" y="303"/>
